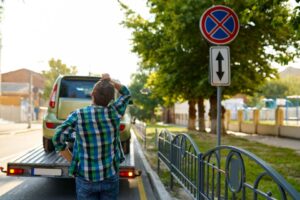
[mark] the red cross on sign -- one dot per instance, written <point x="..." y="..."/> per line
<point x="219" y="25"/>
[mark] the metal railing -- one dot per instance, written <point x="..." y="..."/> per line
<point x="165" y="139"/>
<point x="220" y="173"/>
<point x="185" y="158"/>
<point x="140" y="130"/>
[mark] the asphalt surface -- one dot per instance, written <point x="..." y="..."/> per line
<point x="16" y="143"/>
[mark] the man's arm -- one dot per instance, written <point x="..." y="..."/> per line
<point x="122" y="102"/>
<point x="62" y="134"/>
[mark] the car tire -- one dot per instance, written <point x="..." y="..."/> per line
<point x="126" y="146"/>
<point x="48" y="145"/>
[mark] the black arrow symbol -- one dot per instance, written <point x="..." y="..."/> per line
<point x="219" y="58"/>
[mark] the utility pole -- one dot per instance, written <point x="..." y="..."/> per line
<point x="30" y="101"/>
<point x="1" y="15"/>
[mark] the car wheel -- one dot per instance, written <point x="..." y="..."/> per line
<point x="126" y="146"/>
<point x="48" y="145"/>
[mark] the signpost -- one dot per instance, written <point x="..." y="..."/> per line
<point x="219" y="25"/>
<point x="219" y="66"/>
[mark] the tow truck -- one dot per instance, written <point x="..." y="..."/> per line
<point x="38" y="163"/>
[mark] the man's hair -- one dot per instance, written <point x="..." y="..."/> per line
<point x="103" y="93"/>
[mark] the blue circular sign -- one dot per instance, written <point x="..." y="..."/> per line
<point x="219" y="25"/>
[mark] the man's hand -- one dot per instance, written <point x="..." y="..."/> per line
<point x="115" y="84"/>
<point x="106" y="77"/>
<point x="66" y="154"/>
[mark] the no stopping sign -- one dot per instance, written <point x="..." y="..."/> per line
<point x="219" y="25"/>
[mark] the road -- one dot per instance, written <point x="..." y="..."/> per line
<point x="25" y="188"/>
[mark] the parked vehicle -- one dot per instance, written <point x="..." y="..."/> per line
<point x="68" y="94"/>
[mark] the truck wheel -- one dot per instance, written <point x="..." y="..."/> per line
<point x="126" y="146"/>
<point x="48" y="145"/>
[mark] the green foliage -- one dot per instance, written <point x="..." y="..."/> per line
<point x="293" y="85"/>
<point x="277" y="88"/>
<point x="144" y="104"/>
<point x="56" y="68"/>
<point x="274" y="89"/>
<point x="296" y="18"/>
<point x="171" y="45"/>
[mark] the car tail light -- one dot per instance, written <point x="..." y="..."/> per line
<point x="15" y="171"/>
<point x="51" y="125"/>
<point x="122" y="127"/>
<point x="126" y="174"/>
<point x="53" y="96"/>
<point x="129" y="173"/>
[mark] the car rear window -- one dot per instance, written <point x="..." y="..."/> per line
<point x="72" y="88"/>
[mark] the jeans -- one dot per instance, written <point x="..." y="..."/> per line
<point x="108" y="189"/>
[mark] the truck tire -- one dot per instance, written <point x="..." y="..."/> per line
<point x="126" y="146"/>
<point x="48" y="145"/>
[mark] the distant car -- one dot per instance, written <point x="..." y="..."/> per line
<point x="68" y="94"/>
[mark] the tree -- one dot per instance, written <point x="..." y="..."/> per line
<point x="278" y="88"/>
<point x="171" y="45"/>
<point x="274" y="89"/>
<point x="296" y="19"/>
<point x="293" y="85"/>
<point x="56" y="68"/>
<point x="144" y="104"/>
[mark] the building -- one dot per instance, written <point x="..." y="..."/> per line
<point x="16" y="83"/>
<point x="15" y="92"/>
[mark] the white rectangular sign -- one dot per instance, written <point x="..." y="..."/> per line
<point x="47" y="172"/>
<point x="219" y="65"/>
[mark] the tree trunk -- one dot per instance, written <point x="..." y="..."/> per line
<point x="213" y="114"/>
<point x="201" y="113"/>
<point x="167" y="116"/>
<point x="192" y="115"/>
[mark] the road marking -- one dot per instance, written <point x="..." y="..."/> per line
<point x="141" y="188"/>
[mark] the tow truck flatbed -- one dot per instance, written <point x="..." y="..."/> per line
<point x="38" y="163"/>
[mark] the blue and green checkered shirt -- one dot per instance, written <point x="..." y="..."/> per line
<point x="97" y="151"/>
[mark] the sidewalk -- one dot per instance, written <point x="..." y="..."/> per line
<point x="270" y="140"/>
<point x="15" y="128"/>
<point x="264" y="139"/>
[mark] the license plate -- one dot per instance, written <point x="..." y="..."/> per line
<point x="47" y="172"/>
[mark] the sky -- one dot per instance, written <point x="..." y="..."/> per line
<point x="82" y="33"/>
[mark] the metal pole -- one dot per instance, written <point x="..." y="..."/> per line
<point x="1" y="15"/>
<point x="219" y="115"/>
<point x="219" y="129"/>
<point x="30" y="101"/>
<point x="0" y="65"/>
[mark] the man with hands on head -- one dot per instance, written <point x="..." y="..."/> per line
<point x="97" y="151"/>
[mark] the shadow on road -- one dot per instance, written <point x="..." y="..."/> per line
<point x="40" y="188"/>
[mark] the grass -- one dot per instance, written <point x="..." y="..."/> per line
<point x="285" y="161"/>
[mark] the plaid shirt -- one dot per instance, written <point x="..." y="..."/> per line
<point x="97" y="150"/>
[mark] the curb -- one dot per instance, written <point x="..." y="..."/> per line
<point x="158" y="186"/>
<point x="18" y="132"/>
